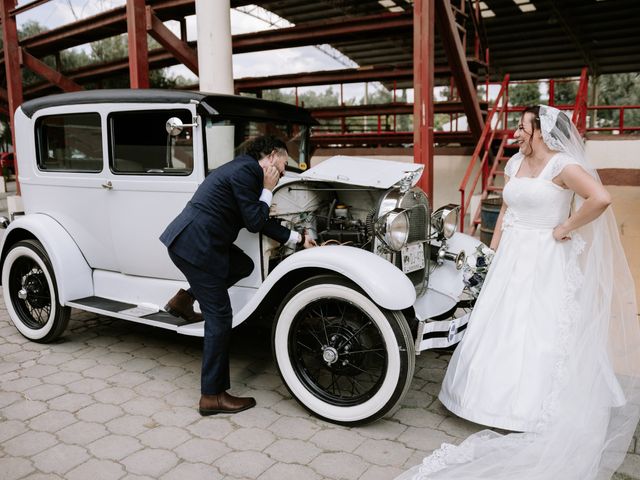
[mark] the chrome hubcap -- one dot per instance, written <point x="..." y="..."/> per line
<point x="330" y="355"/>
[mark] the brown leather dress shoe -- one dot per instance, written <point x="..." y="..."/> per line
<point x="224" y="403"/>
<point x="181" y="305"/>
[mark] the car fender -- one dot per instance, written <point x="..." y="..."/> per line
<point x="445" y="282"/>
<point x="73" y="274"/>
<point x="384" y="283"/>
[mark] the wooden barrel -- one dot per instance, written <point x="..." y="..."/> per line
<point x="489" y="212"/>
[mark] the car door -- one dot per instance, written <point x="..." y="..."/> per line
<point x="68" y="181"/>
<point x="152" y="176"/>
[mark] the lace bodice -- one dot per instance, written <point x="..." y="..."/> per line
<point x="536" y="203"/>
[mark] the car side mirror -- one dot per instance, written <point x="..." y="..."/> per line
<point x="175" y="126"/>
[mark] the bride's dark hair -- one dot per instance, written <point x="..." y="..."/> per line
<point x="563" y="124"/>
<point x="535" y="121"/>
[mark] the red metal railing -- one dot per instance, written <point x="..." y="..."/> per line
<point x="580" y="110"/>
<point x="621" y="127"/>
<point x="481" y="153"/>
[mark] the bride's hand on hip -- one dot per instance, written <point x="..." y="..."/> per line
<point x="561" y="234"/>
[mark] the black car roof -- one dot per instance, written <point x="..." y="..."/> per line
<point x="225" y="105"/>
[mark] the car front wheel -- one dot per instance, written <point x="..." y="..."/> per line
<point x="31" y="294"/>
<point x="344" y="358"/>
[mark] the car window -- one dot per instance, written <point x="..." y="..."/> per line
<point x="140" y="145"/>
<point x="228" y="138"/>
<point x="70" y="142"/>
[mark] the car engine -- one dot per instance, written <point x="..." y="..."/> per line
<point x="335" y="214"/>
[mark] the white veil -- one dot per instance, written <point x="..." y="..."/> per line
<point x="593" y="408"/>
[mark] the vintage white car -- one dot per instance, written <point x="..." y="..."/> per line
<point x="102" y="173"/>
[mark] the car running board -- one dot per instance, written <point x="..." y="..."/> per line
<point x="128" y="311"/>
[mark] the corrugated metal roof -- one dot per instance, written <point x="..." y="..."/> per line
<point x="556" y="39"/>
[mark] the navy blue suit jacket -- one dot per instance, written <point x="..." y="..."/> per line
<point x="227" y="200"/>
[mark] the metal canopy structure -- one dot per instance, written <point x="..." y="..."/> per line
<point x="556" y="39"/>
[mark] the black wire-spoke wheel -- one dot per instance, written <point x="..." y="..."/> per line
<point x="340" y="355"/>
<point x="30" y="291"/>
<point x="338" y="351"/>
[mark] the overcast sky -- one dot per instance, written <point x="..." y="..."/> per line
<point x="289" y="60"/>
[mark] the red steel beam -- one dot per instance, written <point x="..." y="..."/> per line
<point x="165" y="37"/>
<point x="185" y="53"/>
<point x="362" y="110"/>
<point x="12" y="66"/>
<point x="137" y="44"/>
<point x="423" y="81"/>
<point x="100" y="26"/>
<point x="39" y="67"/>
<point x="158" y="58"/>
<point x="27" y="6"/>
<point x="330" y="31"/>
<point x="387" y="138"/>
<point x="114" y="22"/>
<point x="396" y="108"/>
<point x="326" y="77"/>
<point x="459" y="67"/>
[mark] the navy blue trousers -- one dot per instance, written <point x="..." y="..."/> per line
<point x="210" y="289"/>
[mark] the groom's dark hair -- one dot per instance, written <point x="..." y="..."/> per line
<point x="262" y="146"/>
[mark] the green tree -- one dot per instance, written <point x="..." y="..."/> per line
<point x="524" y="94"/>
<point x="108" y="49"/>
<point x="313" y="99"/>
<point x="565" y="92"/>
<point x="618" y="89"/>
<point x="308" y="99"/>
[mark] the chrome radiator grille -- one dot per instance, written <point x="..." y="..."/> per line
<point x="417" y="205"/>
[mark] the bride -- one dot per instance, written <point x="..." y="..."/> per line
<point x="553" y="344"/>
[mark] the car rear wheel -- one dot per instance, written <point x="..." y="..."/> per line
<point x="31" y="294"/>
<point x="344" y="358"/>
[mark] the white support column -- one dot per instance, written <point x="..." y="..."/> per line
<point x="214" y="46"/>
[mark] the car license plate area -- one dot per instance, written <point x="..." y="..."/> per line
<point x="412" y="257"/>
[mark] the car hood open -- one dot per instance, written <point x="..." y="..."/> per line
<point x="364" y="172"/>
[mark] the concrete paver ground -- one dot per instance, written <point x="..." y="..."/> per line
<point x="116" y="400"/>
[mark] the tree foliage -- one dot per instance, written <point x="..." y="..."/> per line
<point x="524" y="94"/>
<point x="618" y="89"/>
<point x="565" y="92"/>
<point x="331" y="98"/>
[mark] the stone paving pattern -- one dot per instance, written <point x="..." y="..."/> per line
<point x="117" y="400"/>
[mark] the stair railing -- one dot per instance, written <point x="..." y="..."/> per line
<point x="489" y="187"/>
<point x="481" y="153"/>
<point x="579" y="116"/>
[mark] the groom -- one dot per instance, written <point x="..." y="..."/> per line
<point x="200" y="243"/>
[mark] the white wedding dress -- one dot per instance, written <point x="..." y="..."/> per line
<point x="553" y="344"/>
<point x="504" y="368"/>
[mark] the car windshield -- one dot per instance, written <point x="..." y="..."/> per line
<point x="225" y="139"/>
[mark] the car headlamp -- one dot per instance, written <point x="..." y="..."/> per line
<point x="445" y="220"/>
<point x="393" y="228"/>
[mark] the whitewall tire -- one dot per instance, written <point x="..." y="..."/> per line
<point x="344" y="358"/>
<point x="31" y="294"/>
